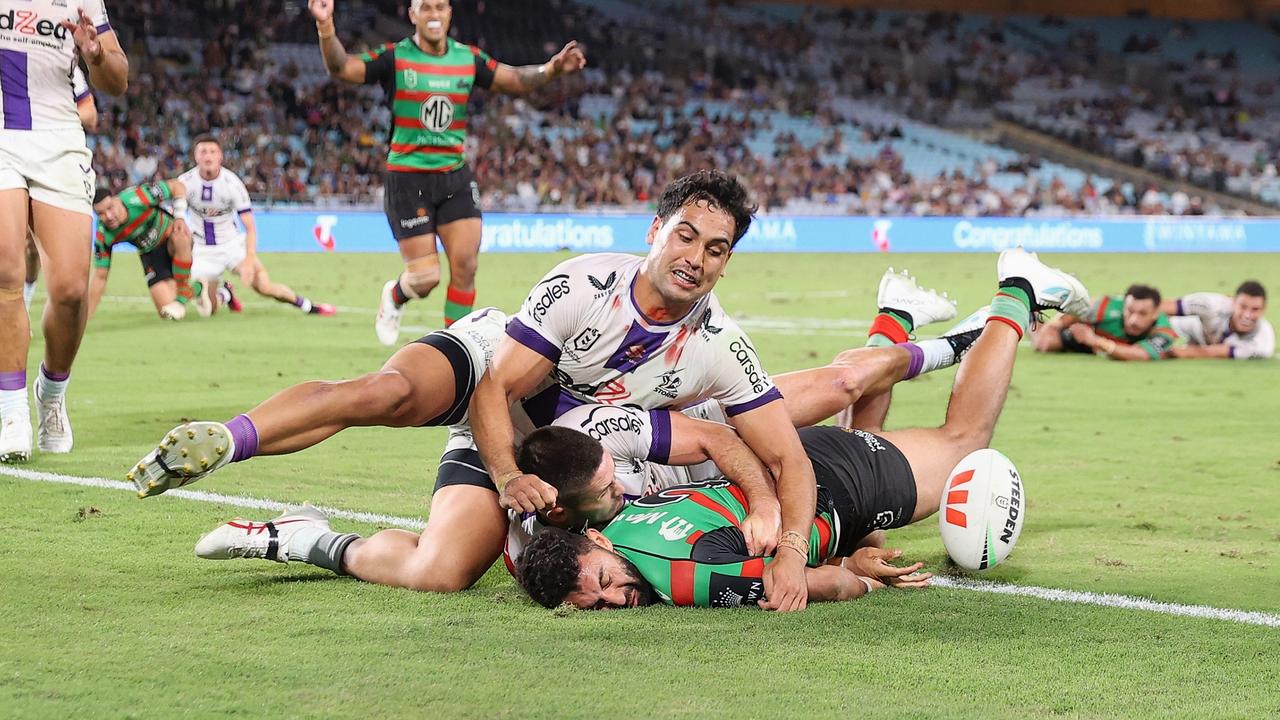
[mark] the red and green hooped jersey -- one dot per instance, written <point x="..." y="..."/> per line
<point x="428" y="99"/>
<point x="687" y="543"/>
<point x="145" y="225"/>
<point x="1107" y="319"/>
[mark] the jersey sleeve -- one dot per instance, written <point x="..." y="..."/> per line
<point x="79" y="85"/>
<point x="1204" y="305"/>
<point x="551" y="314"/>
<point x="97" y="12"/>
<point x="1161" y="340"/>
<point x="741" y="383"/>
<point x="486" y="68"/>
<point x="152" y="194"/>
<point x="240" y="198"/>
<point x="1261" y="344"/>
<point x="379" y="64"/>
<point x="632" y="437"/>
<point x="101" y="251"/>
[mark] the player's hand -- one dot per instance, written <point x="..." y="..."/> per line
<point x="248" y="269"/>
<point x="875" y="563"/>
<point x="321" y="10"/>
<point x="569" y="60"/>
<point x="762" y="528"/>
<point x="1082" y="334"/>
<point x="785" y="588"/>
<point x="86" y="37"/>
<point x="527" y="493"/>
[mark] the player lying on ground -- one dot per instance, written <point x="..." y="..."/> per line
<point x="1218" y="326"/>
<point x="217" y="197"/>
<point x="635" y="442"/>
<point x="136" y="217"/>
<point x="683" y="545"/>
<point x="1128" y="327"/>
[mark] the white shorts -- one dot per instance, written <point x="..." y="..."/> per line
<point x="55" y="167"/>
<point x="210" y="261"/>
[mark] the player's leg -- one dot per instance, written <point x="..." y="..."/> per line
<point x="15" y="332"/>
<point x="459" y="226"/>
<point x="63" y="236"/>
<point x="180" y="248"/>
<point x="410" y="203"/>
<point x="158" y="267"/>
<point x="33" y="269"/>
<point x="265" y="286"/>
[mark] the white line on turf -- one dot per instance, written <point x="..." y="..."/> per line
<point x="1049" y="594"/>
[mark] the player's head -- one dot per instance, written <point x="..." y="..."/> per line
<point x="208" y="155"/>
<point x="1141" y="309"/>
<point x="109" y="208"/>
<point x="587" y="491"/>
<point x="431" y="18"/>
<point x="700" y="218"/>
<point x="562" y="567"/>
<point x="1250" y="303"/>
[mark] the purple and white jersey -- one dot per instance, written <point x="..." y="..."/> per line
<point x="216" y="204"/>
<point x="583" y="317"/>
<point x="37" y="55"/>
<point x="1213" y="311"/>
<point x="79" y="84"/>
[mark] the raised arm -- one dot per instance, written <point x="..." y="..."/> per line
<point x="515" y="371"/>
<point x="527" y="78"/>
<point x="336" y="60"/>
<point x="100" y="48"/>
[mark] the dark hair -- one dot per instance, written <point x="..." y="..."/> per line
<point x="1252" y="288"/>
<point x="1143" y="292"/>
<point x="205" y="138"/>
<point x="717" y="189"/>
<point x="548" y="568"/>
<point x="101" y="194"/>
<point x="564" y="458"/>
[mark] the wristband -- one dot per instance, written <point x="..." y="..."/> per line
<point x="865" y="582"/>
<point x="180" y="206"/>
<point x="795" y="541"/>
<point x="506" y="477"/>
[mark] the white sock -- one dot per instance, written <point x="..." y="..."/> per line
<point x="937" y="355"/>
<point x="13" y="403"/>
<point x="304" y="305"/>
<point x="47" y="389"/>
<point x="304" y="541"/>
<point x="28" y="292"/>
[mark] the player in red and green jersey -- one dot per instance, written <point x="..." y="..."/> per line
<point x="135" y="216"/>
<point x="429" y="190"/>
<point x="685" y="544"/>
<point x="1122" y="327"/>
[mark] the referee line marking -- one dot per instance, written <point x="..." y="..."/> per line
<point x="1125" y="602"/>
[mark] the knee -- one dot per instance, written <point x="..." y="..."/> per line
<point x="421" y="276"/>
<point x="462" y="270"/>
<point x="851" y="381"/>
<point x="966" y="437"/>
<point x="66" y="293"/>
<point x="390" y="394"/>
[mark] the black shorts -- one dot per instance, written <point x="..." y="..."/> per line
<point x="463" y="467"/>
<point x="1069" y="343"/>
<point x="157" y="265"/>
<point x="464" y="374"/>
<point x="418" y="203"/>
<point x="866" y="479"/>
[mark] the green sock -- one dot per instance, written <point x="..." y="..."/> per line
<point x="1012" y="304"/>
<point x="890" y="328"/>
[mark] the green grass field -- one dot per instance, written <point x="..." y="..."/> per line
<point x="1156" y="481"/>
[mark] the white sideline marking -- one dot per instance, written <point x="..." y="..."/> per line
<point x="1125" y="602"/>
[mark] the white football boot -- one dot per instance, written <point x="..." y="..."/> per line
<point x="54" y="434"/>
<point x="965" y="333"/>
<point x="900" y="292"/>
<point x="1052" y="288"/>
<point x="173" y="311"/>
<point x="187" y="453"/>
<point x="15" y="437"/>
<point x="387" y="325"/>
<point x="269" y="540"/>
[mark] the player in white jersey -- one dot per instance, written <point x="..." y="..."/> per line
<point x="1218" y="326"/>
<point x="217" y="198"/>
<point x="47" y="184"/>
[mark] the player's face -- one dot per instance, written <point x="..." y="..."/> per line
<point x="606" y="581"/>
<point x="208" y="158"/>
<point x="1246" y="312"/>
<point x="111" y="211"/>
<point x="603" y="499"/>
<point x="431" y="18"/>
<point x="688" y="252"/>
<point x="1139" y="315"/>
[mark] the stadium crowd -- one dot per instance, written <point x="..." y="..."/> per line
<point x="294" y="137"/>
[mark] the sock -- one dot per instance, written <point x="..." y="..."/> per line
<point x="182" y="276"/>
<point x="303" y="304"/>
<point x="245" y="436"/>
<point x="928" y="356"/>
<point x="224" y="294"/>
<point x="320" y="547"/>
<point x="398" y="294"/>
<point x="890" y="328"/>
<point x="51" y="385"/>
<point x="13" y="393"/>
<point x="1012" y="305"/>
<point x="457" y="304"/>
<point x="28" y="292"/>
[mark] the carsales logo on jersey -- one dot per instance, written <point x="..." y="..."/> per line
<point x="27" y="22"/>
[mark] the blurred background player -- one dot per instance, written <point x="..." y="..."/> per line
<point x="46" y="183"/>
<point x="428" y="78"/>
<point x="135" y="216"/>
<point x="1122" y="327"/>
<point x="1218" y="326"/>
<point x="217" y="197"/>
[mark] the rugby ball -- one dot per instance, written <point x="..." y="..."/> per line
<point x="982" y="510"/>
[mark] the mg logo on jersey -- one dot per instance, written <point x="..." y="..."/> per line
<point x="436" y="113"/>
<point x="323" y="232"/>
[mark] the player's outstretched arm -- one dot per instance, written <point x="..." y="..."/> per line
<point x="514" y="373"/>
<point x="1221" y="350"/>
<point x="336" y="60"/>
<point x="97" y="288"/>
<point x="1169" y="306"/>
<point x="527" y="78"/>
<point x="832" y="583"/>
<point x="108" y="65"/>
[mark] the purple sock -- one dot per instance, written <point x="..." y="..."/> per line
<point x="298" y="300"/>
<point x="246" y="437"/>
<point x="917" y="360"/>
<point x="16" y="380"/>
<point x="56" y="377"/>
